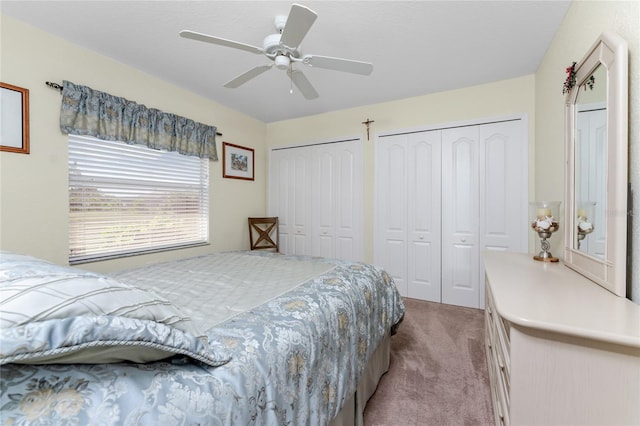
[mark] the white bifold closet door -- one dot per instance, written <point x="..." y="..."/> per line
<point x="290" y="199"/>
<point x="460" y="216"/>
<point x="443" y="196"/>
<point x="317" y="193"/>
<point x="336" y="213"/>
<point x="408" y="192"/>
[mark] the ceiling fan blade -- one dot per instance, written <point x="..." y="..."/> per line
<point x="298" y="24"/>
<point x="338" y="64"/>
<point x="243" y="78"/>
<point x="220" y="41"/>
<point x="303" y="84"/>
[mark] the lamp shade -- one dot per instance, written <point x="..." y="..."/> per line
<point x="282" y="62"/>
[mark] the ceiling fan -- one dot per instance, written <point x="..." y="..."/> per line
<point x="283" y="48"/>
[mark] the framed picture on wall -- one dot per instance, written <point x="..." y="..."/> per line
<point x="237" y="162"/>
<point x="14" y="118"/>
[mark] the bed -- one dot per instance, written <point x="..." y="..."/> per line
<point x="234" y="338"/>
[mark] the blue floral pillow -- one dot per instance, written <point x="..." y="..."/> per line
<point x="55" y="314"/>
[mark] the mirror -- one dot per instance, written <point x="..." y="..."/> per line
<point x="596" y="174"/>
<point x="590" y="164"/>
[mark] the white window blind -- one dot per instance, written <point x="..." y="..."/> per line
<point x="129" y="199"/>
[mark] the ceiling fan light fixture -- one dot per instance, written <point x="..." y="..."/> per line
<point x="282" y="62"/>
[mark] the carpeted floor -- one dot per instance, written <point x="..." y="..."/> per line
<point x="438" y="373"/>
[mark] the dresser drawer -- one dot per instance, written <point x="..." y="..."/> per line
<point x="502" y="350"/>
<point x="501" y="390"/>
<point x="497" y="346"/>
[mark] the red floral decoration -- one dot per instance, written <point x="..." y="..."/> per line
<point x="570" y="82"/>
<point x="571" y="79"/>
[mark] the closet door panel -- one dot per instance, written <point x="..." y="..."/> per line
<point x="301" y="203"/>
<point x="279" y="195"/>
<point x="323" y="212"/>
<point x="337" y="200"/>
<point x="496" y="218"/>
<point x="503" y="180"/>
<point x="424" y="276"/>
<point x="460" y="207"/>
<point x="463" y="276"/>
<point x="423" y="215"/>
<point x="390" y="249"/>
<point x="348" y="212"/>
<point x="504" y="190"/>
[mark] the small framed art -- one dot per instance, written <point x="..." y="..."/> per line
<point x="237" y="162"/>
<point x="14" y="119"/>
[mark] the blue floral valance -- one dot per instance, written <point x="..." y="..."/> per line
<point x="85" y="111"/>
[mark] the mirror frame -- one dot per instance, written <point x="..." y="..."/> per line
<point x="610" y="51"/>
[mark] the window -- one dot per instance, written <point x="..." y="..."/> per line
<point x="129" y="199"/>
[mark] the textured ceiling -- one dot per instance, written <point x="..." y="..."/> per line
<point x="416" y="47"/>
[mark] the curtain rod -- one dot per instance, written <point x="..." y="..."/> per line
<point x="59" y="88"/>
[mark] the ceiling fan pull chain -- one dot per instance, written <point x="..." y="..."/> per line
<point x="291" y="78"/>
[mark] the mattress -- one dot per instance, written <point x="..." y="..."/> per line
<point x="213" y="289"/>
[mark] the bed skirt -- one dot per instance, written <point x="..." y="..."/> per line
<point x="352" y="413"/>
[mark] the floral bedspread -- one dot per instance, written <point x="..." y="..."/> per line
<point x="295" y="360"/>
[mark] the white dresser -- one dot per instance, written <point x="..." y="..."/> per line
<point x="561" y="350"/>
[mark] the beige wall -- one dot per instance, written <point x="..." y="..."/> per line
<point x="584" y="22"/>
<point x="504" y="98"/>
<point x="33" y="188"/>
